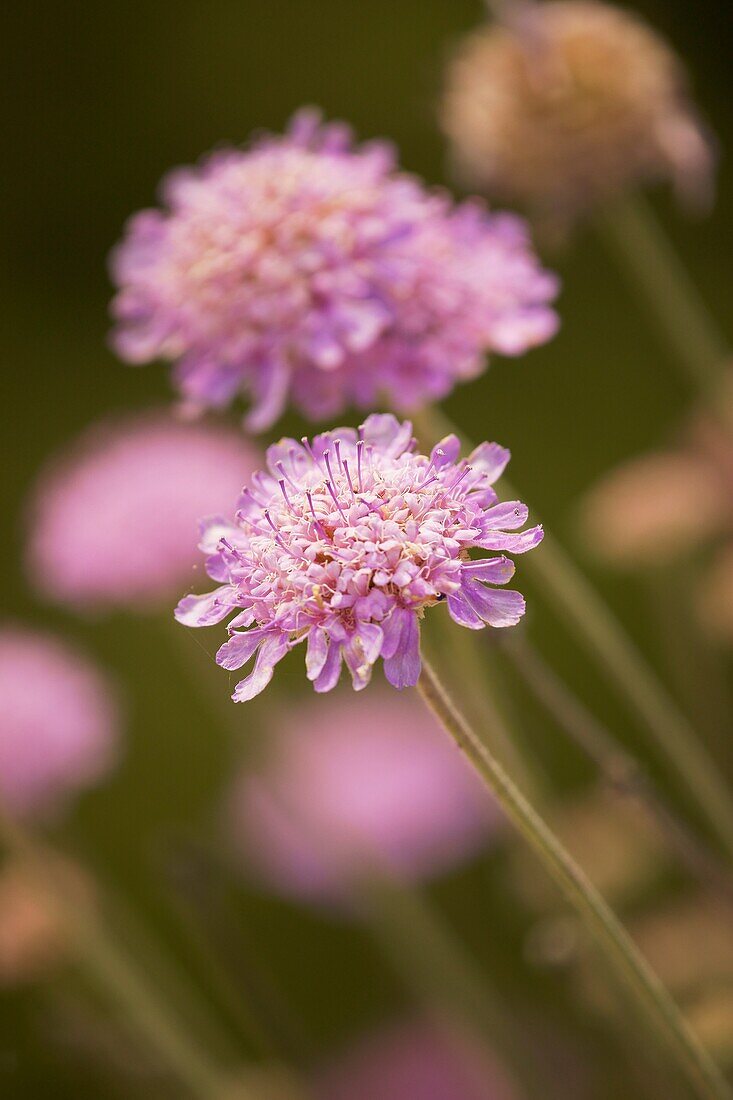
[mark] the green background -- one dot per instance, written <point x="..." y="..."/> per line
<point x="100" y="101"/>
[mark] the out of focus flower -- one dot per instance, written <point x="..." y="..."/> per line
<point x="33" y="936"/>
<point x="715" y="595"/>
<point x="568" y="103"/>
<point x="352" y="780"/>
<point x="411" y="1061"/>
<point x="657" y="509"/>
<point x="689" y="944"/>
<point x="344" y="544"/>
<point x="114" y="522"/>
<point x="308" y="269"/>
<point x="58" y="723"/>
<point x="654" y="509"/>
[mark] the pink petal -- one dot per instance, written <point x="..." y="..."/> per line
<point x="403" y="669"/>
<point x="208" y="609"/>
<point x="515" y="544"/>
<point x="490" y="459"/>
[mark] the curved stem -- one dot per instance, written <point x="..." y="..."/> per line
<point x="617" y="656"/>
<point x="650" y="995"/>
<point x="633" y="234"/>
<point x="623" y="773"/>
<point x="117" y="977"/>
<point x="434" y="965"/>
<point x="462" y="658"/>
<point x="615" y="652"/>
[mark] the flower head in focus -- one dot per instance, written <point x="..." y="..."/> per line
<point x="361" y="778"/>
<point x="113" y="524"/>
<point x="414" y="1061"/>
<point x="567" y="103"/>
<point x="58" y="723"/>
<point x="345" y="542"/>
<point x="307" y="269"/>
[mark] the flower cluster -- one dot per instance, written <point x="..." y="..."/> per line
<point x="567" y="103"/>
<point x="349" y="781"/>
<point x="58" y="723"/>
<point x="113" y="522"/>
<point x="308" y="268"/>
<point x="344" y="542"/>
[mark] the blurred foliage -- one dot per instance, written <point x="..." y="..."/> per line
<point x="100" y="101"/>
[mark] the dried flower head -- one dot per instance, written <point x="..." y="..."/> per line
<point x="354" y="781"/>
<point x="58" y="723"/>
<point x="414" y="1060"/>
<point x="566" y="104"/>
<point x="308" y="269"/>
<point x="345" y="542"/>
<point x="113" y="524"/>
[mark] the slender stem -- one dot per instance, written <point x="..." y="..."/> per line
<point x="460" y="653"/>
<point x="117" y="976"/>
<point x="428" y="958"/>
<point x="621" y="770"/>
<point x="622" y="662"/>
<point x="632" y="232"/>
<point x="651" y="996"/>
<point x="615" y="652"/>
<point x="436" y="967"/>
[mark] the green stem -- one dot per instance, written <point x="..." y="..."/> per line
<point x="116" y="976"/>
<point x="623" y="773"/>
<point x="582" y="607"/>
<point x="430" y="961"/>
<point x="460" y="653"/>
<point x="585" y="611"/>
<point x="633" y="234"/>
<point x="651" y="996"/>
<point x="434" y="965"/>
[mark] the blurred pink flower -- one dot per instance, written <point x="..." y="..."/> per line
<point x="343" y="543"/>
<point x="411" y="1061"/>
<point x="58" y="722"/>
<point x="307" y="269"/>
<point x="661" y="507"/>
<point x="114" y="523"/>
<point x="654" y="508"/>
<point x="354" y="778"/>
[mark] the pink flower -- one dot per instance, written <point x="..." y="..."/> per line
<point x="366" y="777"/>
<point x="58" y="722"/>
<point x="308" y="269"/>
<point x="412" y="1061"/>
<point x="344" y="543"/>
<point x="114" y="523"/>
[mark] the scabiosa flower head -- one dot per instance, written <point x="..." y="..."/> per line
<point x="567" y="103"/>
<point x="113" y="525"/>
<point x="361" y="778"/>
<point x="343" y="544"/>
<point x="308" y="268"/>
<point x="58" y="723"/>
<point x="413" y="1060"/>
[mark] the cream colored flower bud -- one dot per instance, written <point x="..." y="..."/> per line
<point x="568" y="103"/>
